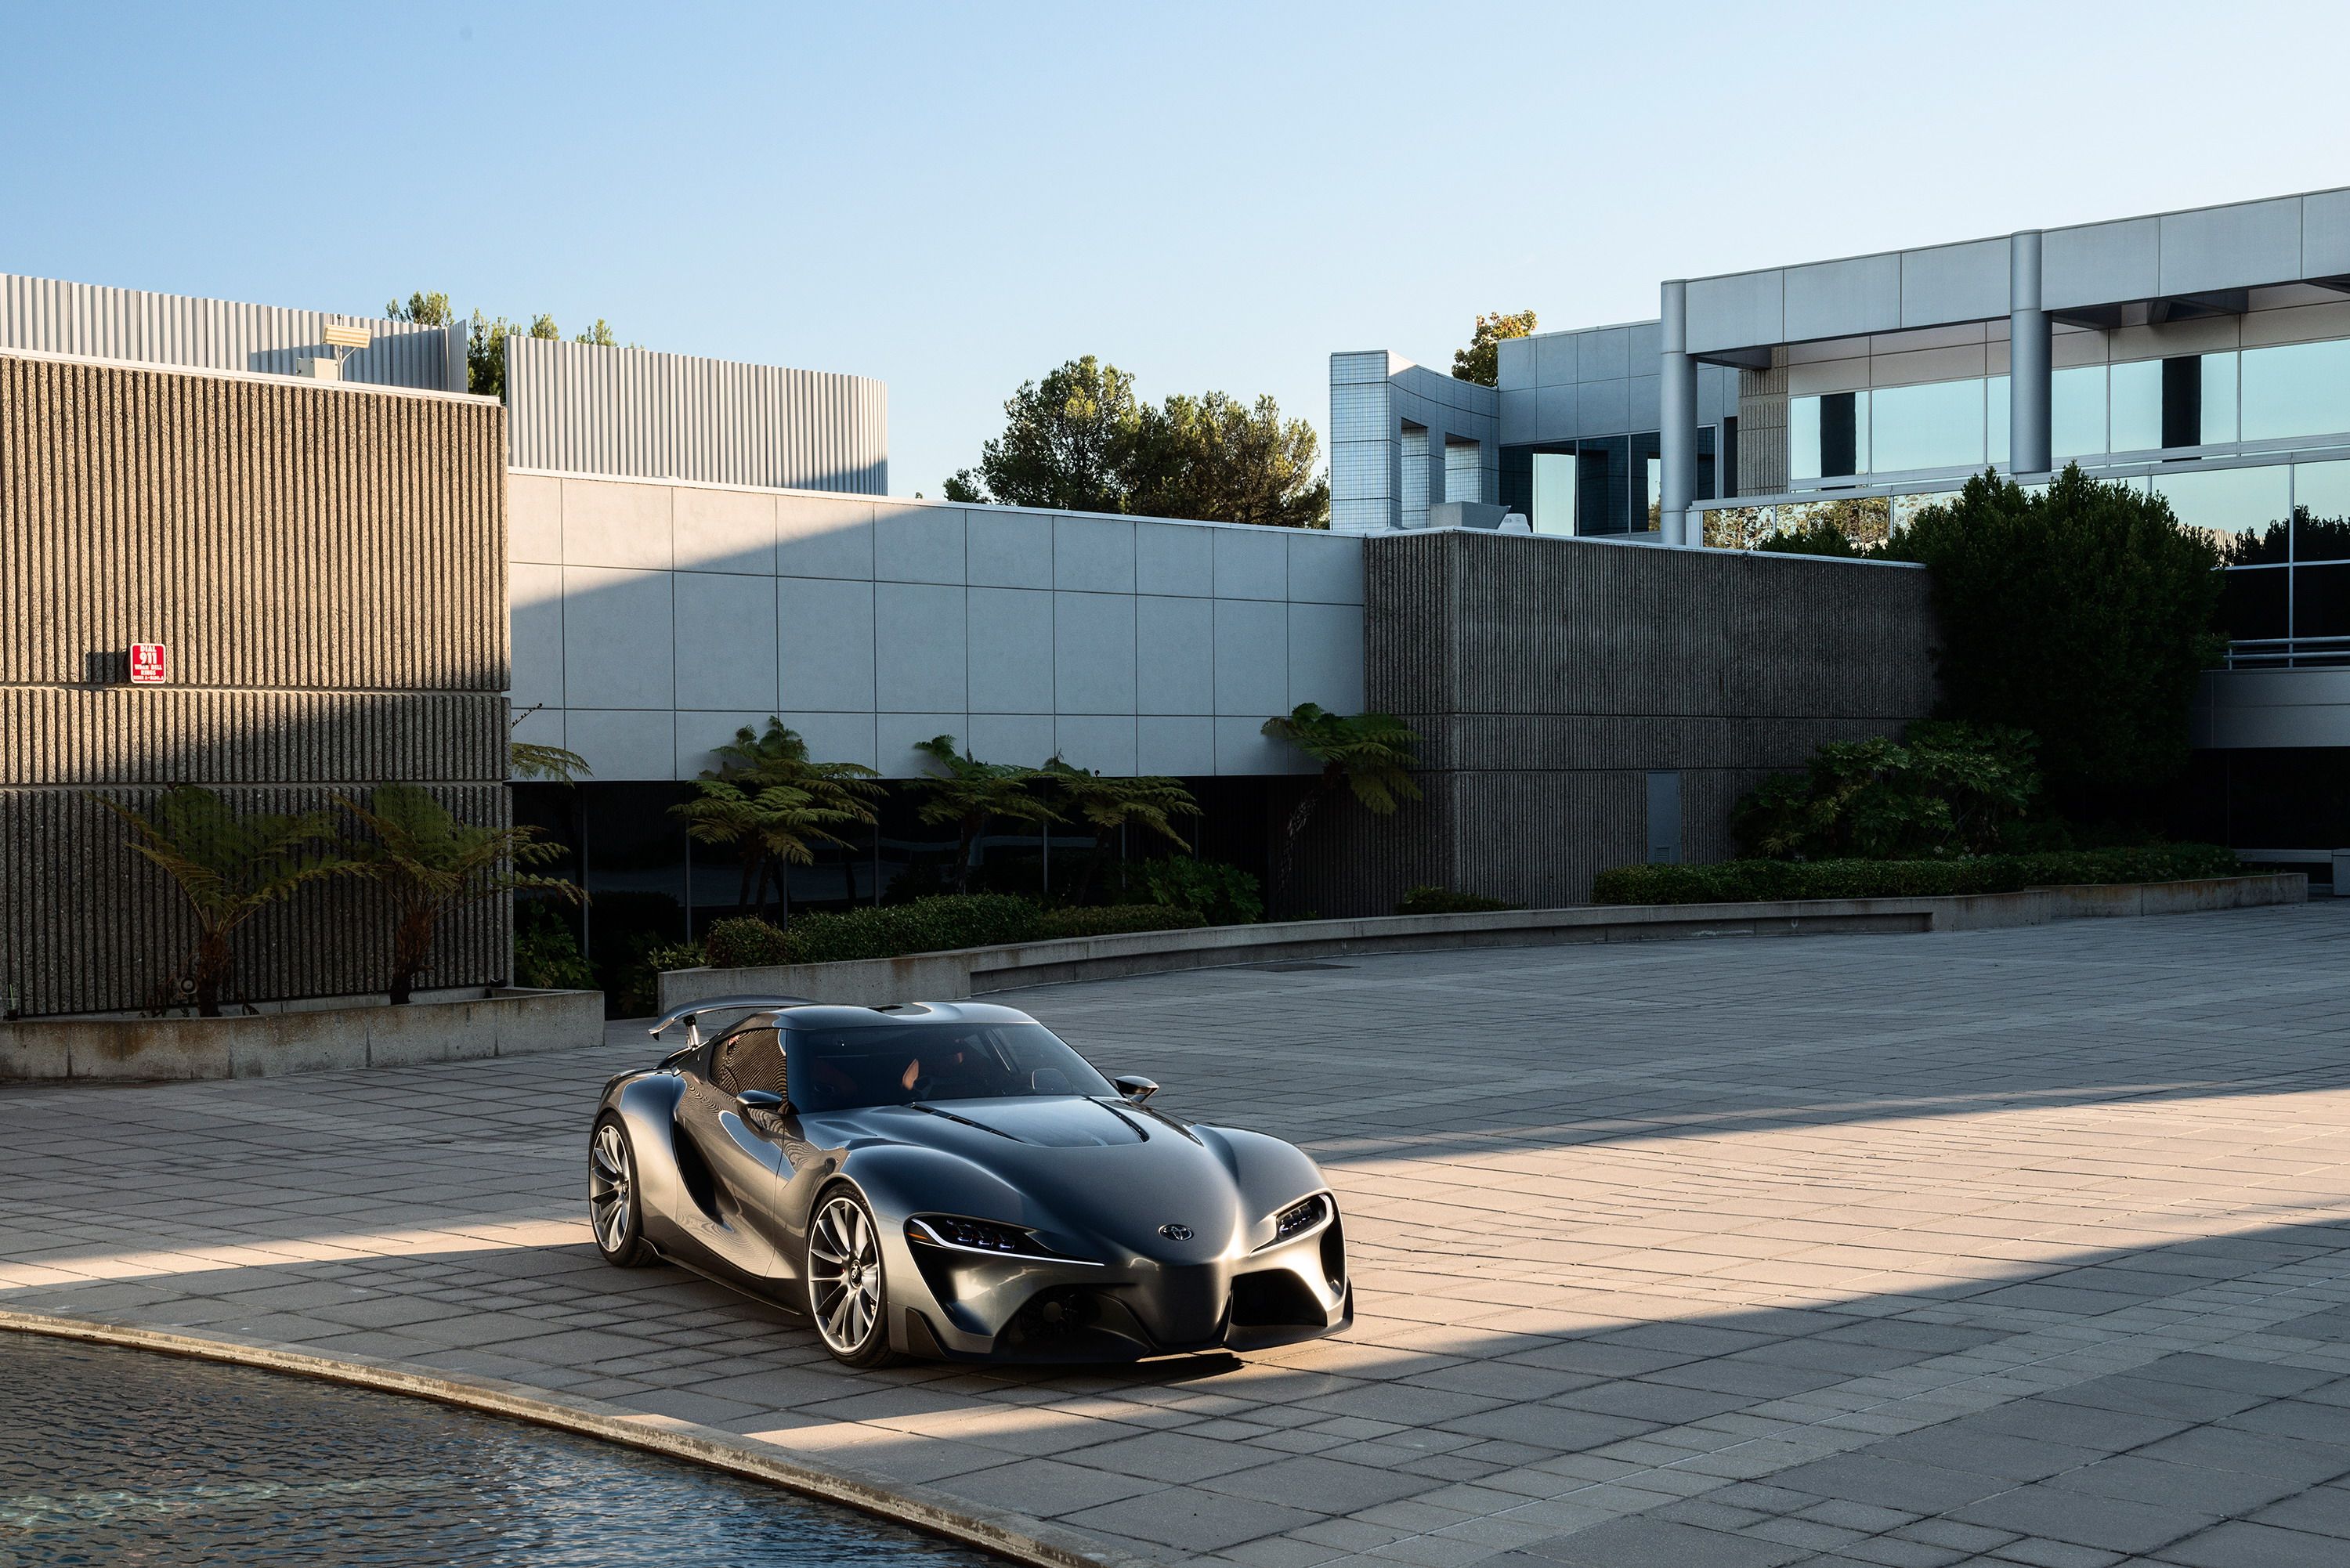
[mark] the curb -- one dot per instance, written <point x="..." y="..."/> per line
<point x="1011" y="1535"/>
<point x="960" y="973"/>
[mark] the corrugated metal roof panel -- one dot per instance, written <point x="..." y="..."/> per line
<point x="579" y="407"/>
<point x="97" y="322"/>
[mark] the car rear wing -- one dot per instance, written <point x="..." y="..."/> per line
<point x="687" y="1013"/>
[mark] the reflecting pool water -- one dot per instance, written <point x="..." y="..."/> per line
<point x="128" y="1457"/>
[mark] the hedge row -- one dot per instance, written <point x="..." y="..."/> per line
<point x="926" y="925"/>
<point x="1109" y="919"/>
<point x="1428" y="900"/>
<point x="1758" y="881"/>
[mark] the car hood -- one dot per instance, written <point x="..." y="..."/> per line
<point x="1083" y="1169"/>
<point x="1059" y="1121"/>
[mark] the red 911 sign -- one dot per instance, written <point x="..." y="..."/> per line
<point x="146" y="664"/>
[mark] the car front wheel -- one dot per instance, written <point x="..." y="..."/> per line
<point x="614" y="1209"/>
<point x="847" y="1294"/>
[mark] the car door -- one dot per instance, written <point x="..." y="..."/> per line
<point x="740" y="1148"/>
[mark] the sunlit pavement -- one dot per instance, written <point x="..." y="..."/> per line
<point x="2004" y="1247"/>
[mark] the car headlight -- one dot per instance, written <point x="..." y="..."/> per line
<point x="1302" y="1218"/>
<point x="992" y="1237"/>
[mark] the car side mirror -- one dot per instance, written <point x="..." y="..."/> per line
<point x="1135" y="1086"/>
<point x="763" y="1100"/>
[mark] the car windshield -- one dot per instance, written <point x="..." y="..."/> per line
<point x="846" y="1069"/>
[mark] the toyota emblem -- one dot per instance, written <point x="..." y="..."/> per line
<point x="1176" y="1232"/>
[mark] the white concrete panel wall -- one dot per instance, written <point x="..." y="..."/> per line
<point x="1594" y="382"/>
<point x="652" y="619"/>
<point x="1390" y="423"/>
<point x="2242" y="244"/>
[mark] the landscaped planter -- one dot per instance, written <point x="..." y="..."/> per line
<point x="974" y="971"/>
<point x="305" y="1037"/>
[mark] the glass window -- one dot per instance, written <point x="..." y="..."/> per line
<point x="1827" y="436"/>
<point x="1906" y="507"/>
<point x="2252" y="603"/>
<point x="1803" y="438"/>
<point x="2321" y="601"/>
<point x="843" y="1069"/>
<point x="1737" y="527"/>
<point x="1862" y="519"/>
<point x="1844" y="434"/>
<point x="2218" y="399"/>
<point x="2076" y="412"/>
<point x="1554" y="492"/>
<point x="2295" y="389"/>
<point x="2321" y="511"/>
<point x="636" y="869"/>
<point x="1937" y="425"/>
<point x="1647" y="475"/>
<point x="2134" y="412"/>
<point x="1602" y="471"/>
<point x="1995" y="416"/>
<point x="749" y="1059"/>
<point x="2239" y="506"/>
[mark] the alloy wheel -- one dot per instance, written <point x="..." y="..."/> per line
<point x="845" y="1275"/>
<point x="609" y="1184"/>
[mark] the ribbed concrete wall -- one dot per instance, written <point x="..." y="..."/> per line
<point x="577" y="408"/>
<point x="1762" y="430"/>
<point x="94" y="321"/>
<point x="273" y="534"/>
<point x="1548" y="677"/>
<point x="325" y="566"/>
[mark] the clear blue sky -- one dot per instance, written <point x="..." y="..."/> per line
<point x="955" y="198"/>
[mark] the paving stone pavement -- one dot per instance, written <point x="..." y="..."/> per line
<point x="2013" y="1247"/>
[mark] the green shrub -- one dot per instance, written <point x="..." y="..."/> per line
<point x="2083" y="614"/>
<point x="1821" y="536"/>
<point x="546" y="955"/>
<point x="1445" y="901"/>
<point x="1759" y="881"/>
<point x="929" y="925"/>
<point x="1221" y="894"/>
<point x="676" y="955"/>
<point x="925" y="926"/>
<point x="635" y="990"/>
<point x="1948" y="788"/>
<point x="744" y="942"/>
<point x="1109" y="919"/>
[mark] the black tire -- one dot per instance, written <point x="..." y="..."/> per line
<point x="848" y="1284"/>
<point x="616" y="1215"/>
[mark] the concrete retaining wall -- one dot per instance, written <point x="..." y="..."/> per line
<point x="975" y="971"/>
<point x="310" y="1040"/>
<point x="1549" y="678"/>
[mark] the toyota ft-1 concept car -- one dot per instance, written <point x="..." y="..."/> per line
<point x="953" y="1181"/>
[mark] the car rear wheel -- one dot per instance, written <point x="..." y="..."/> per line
<point x="849" y="1296"/>
<point x="614" y="1209"/>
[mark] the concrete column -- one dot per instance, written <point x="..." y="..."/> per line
<point x="1676" y="416"/>
<point x="2028" y="383"/>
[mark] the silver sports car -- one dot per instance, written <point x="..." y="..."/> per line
<point x="953" y="1181"/>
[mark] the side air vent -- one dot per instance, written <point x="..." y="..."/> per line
<point x="1273" y="1298"/>
<point x="694" y="1172"/>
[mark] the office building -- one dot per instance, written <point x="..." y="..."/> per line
<point x="2203" y="354"/>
